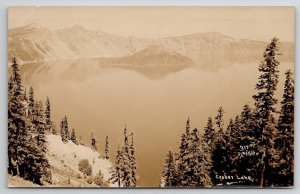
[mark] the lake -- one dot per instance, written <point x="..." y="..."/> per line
<point x="153" y="102"/>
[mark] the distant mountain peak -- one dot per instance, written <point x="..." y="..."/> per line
<point x="78" y="27"/>
<point x="33" y="26"/>
<point x="29" y="29"/>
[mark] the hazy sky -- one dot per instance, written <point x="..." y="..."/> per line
<point x="258" y="23"/>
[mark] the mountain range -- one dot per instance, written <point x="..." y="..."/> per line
<point x="34" y="43"/>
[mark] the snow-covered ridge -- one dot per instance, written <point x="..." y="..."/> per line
<point x="36" y="43"/>
<point x="64" y="159"/>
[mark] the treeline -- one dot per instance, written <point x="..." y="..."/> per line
<point x="66" y="136"/>
<point x="255" y="149"/>
<point x="28" y="123"/>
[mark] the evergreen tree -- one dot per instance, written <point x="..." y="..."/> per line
<point x="116" y="170"/>
<point x="206" y="163"/>
<point x="94" y="142"/>
<point x="106" y="148"/>
<point x="40" y="127"/>
<point x="132" y="163"/>
<point x="248" y="142"/>
<point x="67" y="128"/>
<point x="283" y="174"/>
<point x="31" y="102"/>
<point x="220" y="121"/>
<point x="219" y="152"/>
<point x="169" y="175"/>
<point x="183" y="159"/>
<point x="197" y="170"/>
<point x="17" y="124"/>
<point x="265" y="102"/>
<point x="208" y="147"/>
<point x="25" y="157"/>
<point x="64" y="130"/>
<point x="125" y="162"/>
<point x="73" y="137"/>
<point x="209" y="132"/>
<point x="49" y="126"/>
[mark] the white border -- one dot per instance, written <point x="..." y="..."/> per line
<point x="3" y="88"/>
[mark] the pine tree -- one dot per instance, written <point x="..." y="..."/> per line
<point x="265" y="102"/>
<point x="31" y="102"/>
<point x="106" y="148"/>
<point x="41" y="164"/>
<point x="116" y="171"/>
<point x="283" y="174"/>
<point x="49" y="125"/>
<point x="169" y="175"/>
<point x="248" y="143"/>
<point x="94" y="142"/>
<point x="125" y="162"/>
<point x="206" y="163"/>
<point x="25" y="157"/>
<point x="183" y="156"/>
<point x="17" y="124"/>
<point x="64" y="130"/>
<point x="209" y="132"/>
<point x="196" y="169"/>
<point x="25" y="99"/>
<point x="40" y="125"/>
<point x="208" y="147"/>
<point x="73" y="137"/>
<point x="67" y="128"/>
<point x="219" y="152"/>
<point x="132" y="163"/>
<point x="220" y="121"/>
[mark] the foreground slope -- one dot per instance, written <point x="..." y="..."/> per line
<point x="64" y="159"/>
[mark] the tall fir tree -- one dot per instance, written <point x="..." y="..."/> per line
<point x="42" y="163"/>
<point x="133" y="164"/>
<point x="31" y="102"/>
<point x="18" y="124"/>
<point x="219" y="152"/>
<point x="64" y="130"/>
<point x="265" y="102"/>
<point x="283" y="173"/>
<point x="169" y="176"/>
<point x="209" y="132"/>
<point x="183" y="159"/>
<point x="73" y="137"/>
<point x="206" y="163"/>
<point x="26" y="157"/>
<point x="196" y="168"/>
<point x="116" y="171"/>
<point x="208" y="146"/>
<point x="40" y="125"/>
<point x="48" y="120"/>
<point x="248" y="143"/>
<point x="219" y="120"/>
<point x="125" y="162"/>
<point x="94" y="142"/>
<point x="106" y="151"/>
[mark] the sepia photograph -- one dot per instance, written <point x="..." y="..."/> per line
<point x="151" y="96"/>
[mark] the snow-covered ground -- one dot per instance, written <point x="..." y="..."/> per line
<point x="64" y="159"/>
<point x="15" y="181"/>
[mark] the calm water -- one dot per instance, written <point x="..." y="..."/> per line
<point x="154" y="103"/>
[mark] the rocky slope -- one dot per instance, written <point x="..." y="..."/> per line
<point x="35" y="43"/>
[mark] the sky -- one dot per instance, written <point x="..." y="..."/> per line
<point x="257" y="23"/>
